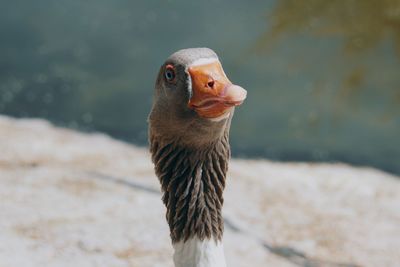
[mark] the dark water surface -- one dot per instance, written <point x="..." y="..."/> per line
<point x="323" y="78"/>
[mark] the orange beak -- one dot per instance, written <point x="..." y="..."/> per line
<point x="213" y="94"/>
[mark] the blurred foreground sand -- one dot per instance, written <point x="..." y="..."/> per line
<point x="74" y="199"/>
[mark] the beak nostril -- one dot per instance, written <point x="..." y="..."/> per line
<point x="210" y="84"/>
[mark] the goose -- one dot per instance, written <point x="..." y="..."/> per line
<point x="189" y="123"/>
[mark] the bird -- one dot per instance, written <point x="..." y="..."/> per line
<point x="189" y="123"/>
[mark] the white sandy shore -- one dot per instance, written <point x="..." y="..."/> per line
<point x="74" y="199"/>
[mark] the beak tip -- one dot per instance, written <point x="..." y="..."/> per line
<point x="236" y="93"/>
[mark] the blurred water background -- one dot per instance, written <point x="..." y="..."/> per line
<point x="323" y="77"/>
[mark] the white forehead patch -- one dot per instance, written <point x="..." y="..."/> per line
<point x="203" y="61"/>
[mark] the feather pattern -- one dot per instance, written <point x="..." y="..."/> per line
<point x="192" y="182"/>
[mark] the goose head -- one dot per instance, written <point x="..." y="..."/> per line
<point x="193" y="100"/>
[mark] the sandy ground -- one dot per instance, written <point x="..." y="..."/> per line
<point x="74" y="199"/>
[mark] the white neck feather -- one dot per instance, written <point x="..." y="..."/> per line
<point x="196" y="253"/>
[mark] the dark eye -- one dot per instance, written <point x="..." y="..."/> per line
<point x="169" y="73"/>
